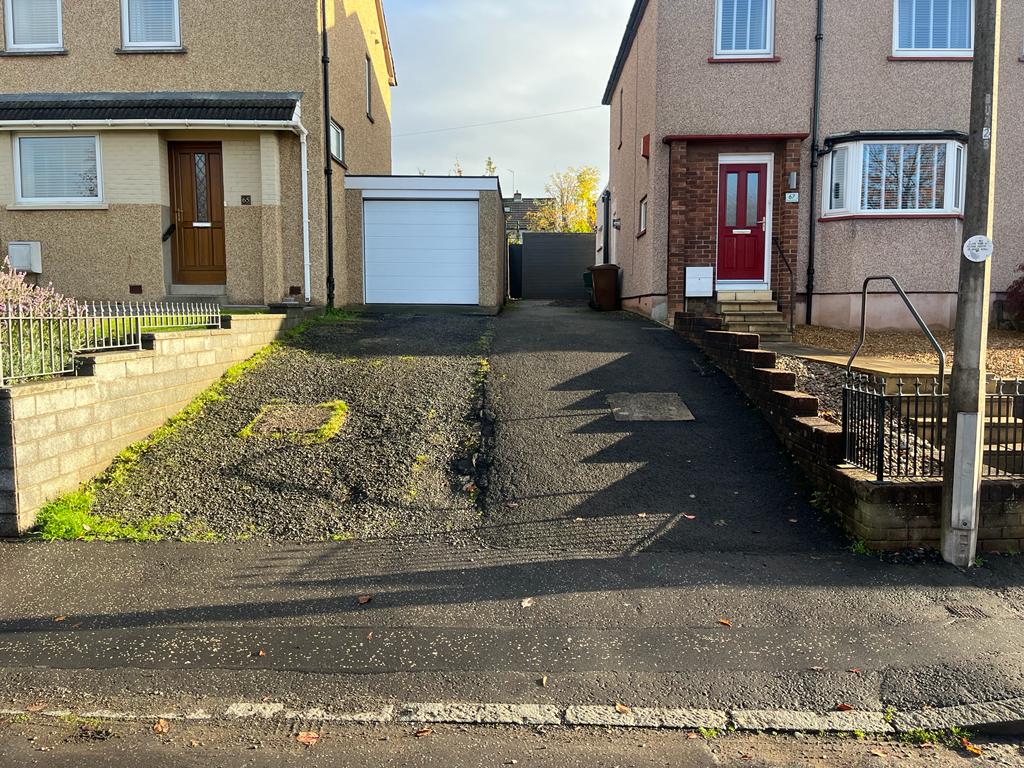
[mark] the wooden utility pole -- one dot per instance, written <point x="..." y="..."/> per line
<point x="961" y="508"/>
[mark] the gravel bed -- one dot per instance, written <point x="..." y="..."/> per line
<point x="1005" y="348"/>
<point x="411" y="387"/>
<point x="823" y="380"/>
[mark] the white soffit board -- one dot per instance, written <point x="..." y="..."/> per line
<point x="421" y="252"/>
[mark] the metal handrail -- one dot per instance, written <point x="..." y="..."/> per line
<point x="792" y="284"/>
<point x="913" y="310"/>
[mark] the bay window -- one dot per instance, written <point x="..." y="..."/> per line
<point x="744" y="28"/>
<point x="895" y="178"/>
<point x="58" y="170"/>
<point x="933" y="28"/>
<point x="33" y="25"/>
<point x="150" y="24"/>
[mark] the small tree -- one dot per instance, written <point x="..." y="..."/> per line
<point x="572" y="203"/>
<point x="490" y="169"/>
<point x="457" y="170"/>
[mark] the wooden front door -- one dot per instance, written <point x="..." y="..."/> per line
<point x="742" y="222"/>
<point x="197" y="203"/>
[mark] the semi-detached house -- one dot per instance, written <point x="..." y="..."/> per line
<point x="712" y="200"/>
<point x="154" y="149"/>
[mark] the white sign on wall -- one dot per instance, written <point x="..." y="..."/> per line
<point x="979" y="249"/>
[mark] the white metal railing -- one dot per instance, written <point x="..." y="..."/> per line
<point x="35" y="346"/>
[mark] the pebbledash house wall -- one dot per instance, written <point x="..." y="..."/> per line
<point x="668" y="87"/>
<point x="250" y="45"/>
<point x="55" y="435"/>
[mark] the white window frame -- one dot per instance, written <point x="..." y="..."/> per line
<point x="767" y="51"/>
<point x="126" y="42"/>
<point x="927" y="53"/>
<point x="336" y="129"/>
<point x="12" y="46"/>
<point x="644" y="212"/>
<point x="955" y="152"/>
<point x="56" y="202"/>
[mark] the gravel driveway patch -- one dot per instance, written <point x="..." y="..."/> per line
<point x="823" y="380"/>
<point x="409" y="386"/>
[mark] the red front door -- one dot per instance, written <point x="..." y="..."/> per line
<point x="742" y="221"/>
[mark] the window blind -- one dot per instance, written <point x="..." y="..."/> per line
<point x="743" y="25"/>
<point x="837" y="196"/>
<point x="935" y="24"/>
<point x="152" y="22"/>
<point x="35" y="23"/>
<point x="58" y="167"/>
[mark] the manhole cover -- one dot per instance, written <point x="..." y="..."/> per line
<point x="307" y="424"/>
<point x="649" y="406"/>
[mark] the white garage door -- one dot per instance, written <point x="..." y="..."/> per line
<point x="421" y="251"/>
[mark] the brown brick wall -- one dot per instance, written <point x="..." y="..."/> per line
<point x="693" y="211"/>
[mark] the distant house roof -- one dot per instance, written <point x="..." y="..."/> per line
<point x="275" y="107"/>
<point x="624" y="48"/>
<point x="518" y="208"/>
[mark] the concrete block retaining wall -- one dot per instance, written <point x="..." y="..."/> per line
<point x="888" y="516"/>
<point x="55" y="435"/>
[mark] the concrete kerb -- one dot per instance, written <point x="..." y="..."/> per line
<point x="1005" y="717"/>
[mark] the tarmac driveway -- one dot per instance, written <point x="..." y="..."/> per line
<point x="567" y="474"/>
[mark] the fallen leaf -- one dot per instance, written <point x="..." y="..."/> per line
<point x="424" y="732"/>
<point x="879" y="753"/>
<point x="843" y="708"/>
<point x="579" y="519"/>
<point x="194" y="744"/>
<point x="161" y="726"/>
<point x="370" y="636"/>
<point x="856" y="670"/>
<point x="528" y="602"/>
<point x="692" y="736"/>
<point x="642" y="515"/>
<point x="76" y="626"/>
<point x="817" y="669"/>
<point x="544" y="682"/>
<point x="622" y="709"/>
<point x="38" y="706"/>
<point x="60" y="618"/>
<point x="309" y="738"/>
<point x="364" y="599"/>
<point x="261" y="652"/>
<point x="971" y="748"/>
<point x="725" y="622"/>
<point x="690" y="517"/>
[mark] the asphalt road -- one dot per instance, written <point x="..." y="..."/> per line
<point x="609" y="556"/>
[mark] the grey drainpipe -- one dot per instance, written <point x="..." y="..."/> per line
<point x="329" y="165"/>
<point x="607" y="198"/>
<point x="819" y="38"/>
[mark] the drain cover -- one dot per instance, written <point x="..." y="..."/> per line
<point x="649" y="406"/>
<point x="965" y="611"/>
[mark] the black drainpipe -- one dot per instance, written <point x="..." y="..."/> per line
<point x="607" y="198"/>
<point x="819" y="38"/>
<point x="329" y="166"/>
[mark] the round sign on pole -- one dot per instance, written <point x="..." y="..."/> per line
<point x="979" y="249"/>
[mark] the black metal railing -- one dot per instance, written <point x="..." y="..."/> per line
<point x="896" y="429"/>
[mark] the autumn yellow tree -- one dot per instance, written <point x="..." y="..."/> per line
<point x="571" y="204"/>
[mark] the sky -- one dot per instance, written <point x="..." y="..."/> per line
<point x="466" y="62"/>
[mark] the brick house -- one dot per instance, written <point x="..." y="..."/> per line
<point x="712" y="189"/>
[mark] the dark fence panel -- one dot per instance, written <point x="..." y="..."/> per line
<point x="554" y="263"/>
<point x="515" y="270"/>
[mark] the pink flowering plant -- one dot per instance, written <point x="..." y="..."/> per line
<point x="38" y="326"/>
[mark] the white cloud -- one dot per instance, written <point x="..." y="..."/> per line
<point x="462" y="62"/>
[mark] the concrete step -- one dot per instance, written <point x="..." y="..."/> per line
<point x="753" y="317"/>
<point x="1002" y="432"/>
<point x="745" y="296"/>
<point x="779" y="327"/>
<point x="783" y="337"/>
<point x="732" y="307"/>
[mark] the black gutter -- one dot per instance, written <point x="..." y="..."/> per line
<point x="819" y="38"/>
<point x="606" y="197"/>
<point x="329" y="165"/>
<point x="635" y="17"/>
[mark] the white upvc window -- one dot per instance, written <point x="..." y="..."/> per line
<point x="744" y="28"/>
<point x="895" y="178"/>
<point x="933" y="28"/>
<point x="150" y="24"/>
<point x="337" y="142"/>
<point x="33" y="25"/>
<point x="643" y="216"/>
<point x="57" y="170"/>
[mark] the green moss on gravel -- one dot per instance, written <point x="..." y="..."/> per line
<point x="70" y="518"/>
<point x="328" y="430"/>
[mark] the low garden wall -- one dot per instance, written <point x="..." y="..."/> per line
<point x="55" y="435"/>
<point x="887" y="516"/>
